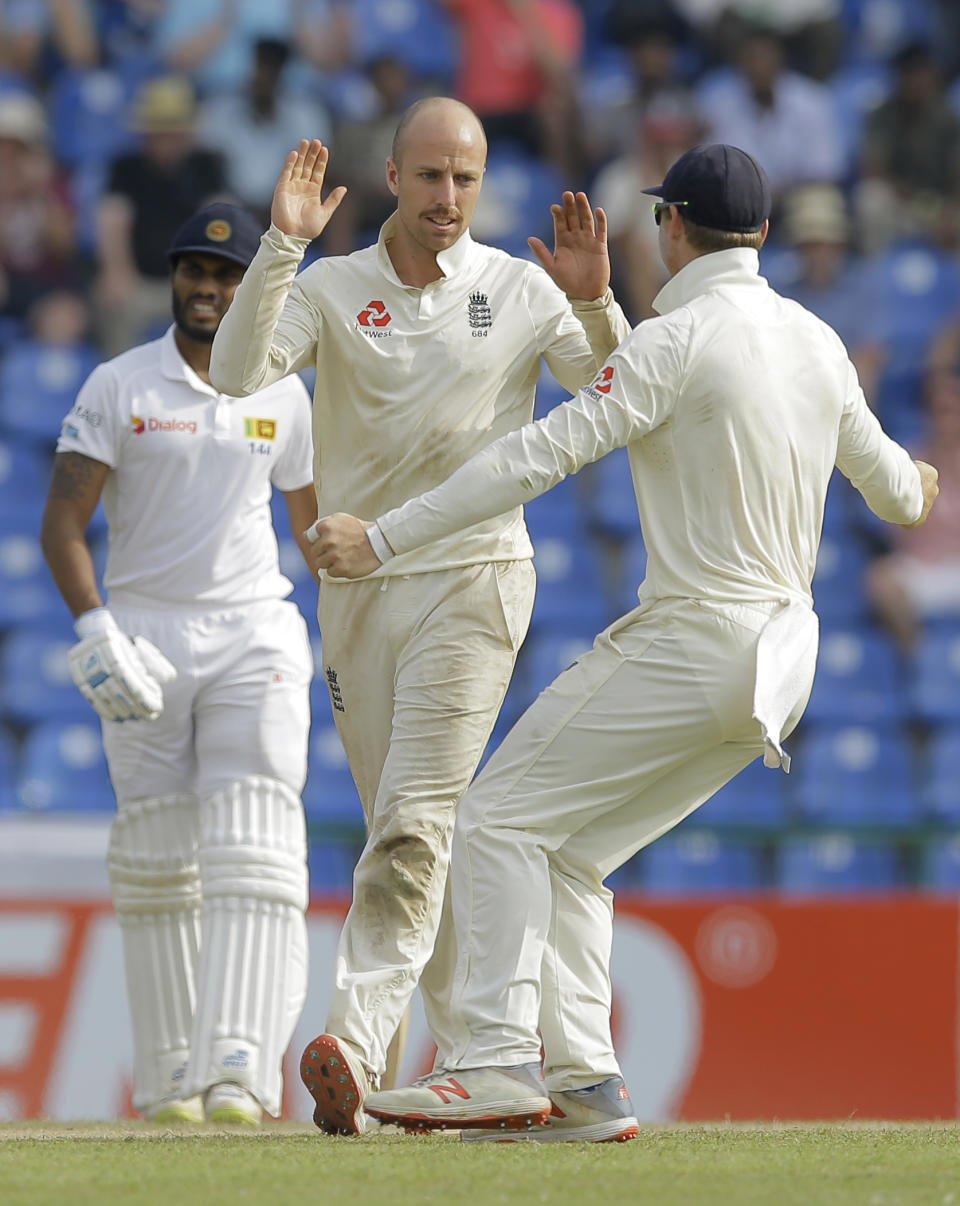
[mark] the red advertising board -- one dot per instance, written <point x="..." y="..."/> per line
<point x="753" y="1009"/>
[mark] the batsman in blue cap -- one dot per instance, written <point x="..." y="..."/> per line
<point x="734" y="405"/>
<point x="199" y="669"/>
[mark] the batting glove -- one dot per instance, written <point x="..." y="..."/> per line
<point x="122" y="677"/>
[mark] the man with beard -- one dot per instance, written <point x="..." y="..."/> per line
<point x="208" y="666"/>
<point x="426" y="345"/>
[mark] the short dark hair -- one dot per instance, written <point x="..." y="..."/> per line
<point x="705" y="238"/>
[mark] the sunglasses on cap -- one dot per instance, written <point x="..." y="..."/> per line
<point x="660" y="206"/>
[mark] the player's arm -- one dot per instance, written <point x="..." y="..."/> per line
<point x="270" y="329"/>
<point x="71" y="501"/>
<point x="623" y="405"/>
<point x="121" y="678"/>
<point x="895" y="487"/>
<point x="302" y="509"/>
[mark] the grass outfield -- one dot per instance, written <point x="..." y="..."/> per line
<point x="810" y="1165"/>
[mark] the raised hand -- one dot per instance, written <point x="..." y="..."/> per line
<point x="298" y="207"/>
<point x="579" y="264"/>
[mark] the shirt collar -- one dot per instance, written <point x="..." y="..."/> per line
<point x="736" y="266"/>
<point x="174" y="367"/>
<point x="451" y="261"/>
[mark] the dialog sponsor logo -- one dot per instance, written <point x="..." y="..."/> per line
<point x="189" y="426"/>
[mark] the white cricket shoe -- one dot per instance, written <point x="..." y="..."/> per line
<point x="228" y="1104"/>
<point x="508" y="1098"/>
<point x="602" y="1113"/>
<point x="175" y="1111"/>
<point x="338" y="1084"/>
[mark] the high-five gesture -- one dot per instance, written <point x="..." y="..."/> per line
<point x="579" y="264"/>
<point x="298" y="207"/>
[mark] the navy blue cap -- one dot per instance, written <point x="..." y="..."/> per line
<point x="719" y="186"/>
<point x="218" y="229"/>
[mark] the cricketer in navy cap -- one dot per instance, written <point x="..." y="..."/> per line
<point x="218" y="229"/>
<point x="718" y="186"/>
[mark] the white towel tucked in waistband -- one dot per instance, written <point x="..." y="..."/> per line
<point x="786" y="661"/>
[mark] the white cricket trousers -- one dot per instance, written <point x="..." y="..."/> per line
<point x="639" y="732"/>
<point x="208" y="850"/>
<point x="239" y="705"/>
<point x="418" y="668"/>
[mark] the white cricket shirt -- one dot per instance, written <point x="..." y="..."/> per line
<point x="410" y="382"/>
<point x="188" y="496"/>
<point x="734" y="405"/>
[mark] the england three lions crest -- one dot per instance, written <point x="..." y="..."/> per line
<point x="478" y="314"/>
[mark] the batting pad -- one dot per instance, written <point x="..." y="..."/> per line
<point x="253" y="962"/>
<point x="155" y="883"/>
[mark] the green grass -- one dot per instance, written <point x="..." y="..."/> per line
<point x="807" y="1165"/>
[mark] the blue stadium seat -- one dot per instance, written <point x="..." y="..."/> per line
<point x="754" y="799"/>
<point x="39" y="384"/>
<point x="943" y="776"/>
<point x="27" y="591"/>
<point x="569" y="583"/>
<point x="419" y="32"/>
<point x="935" y="677"/>
<point x="857" y="776"/>
<point x="518" y="190"/>
<point x="545" y="655"/>
<point x="331" y="867"/>
<point x="611" y="503"/>
<point x="835" y="863"/>
<point x="330" y="795"/>
<point x="700" y="862"/>
<point x="24" y="476"/>
<point x="64" y="768"/>
<point x="856" y="88"/>
<point x="859" y="678"/>
<point x="90" y="116"/>
<point x="8" y="766"/>
<point x="941" y="864"/>
<point x="838" y="582"/>
<point x="876" y="29"/>
<point x="917" y="286"/>
<point x="35" y="682"/>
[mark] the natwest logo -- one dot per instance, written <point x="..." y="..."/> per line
<point x="374" y="315"/>
<point x="152" y="424"/>
<point x="603" y="380"/>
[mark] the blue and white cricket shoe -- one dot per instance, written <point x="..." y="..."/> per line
<point x="602" y="1113"/>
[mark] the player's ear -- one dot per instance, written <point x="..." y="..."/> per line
<point x="393" y="177"/>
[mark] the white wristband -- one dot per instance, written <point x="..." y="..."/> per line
<point x="378" y="542"/>
<point x="97" y="619"/>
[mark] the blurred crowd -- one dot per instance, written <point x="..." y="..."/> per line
<point x="119" y="117"/>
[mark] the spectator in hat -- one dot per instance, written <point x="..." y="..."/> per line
<point x="150" y="192"/>
<point x="828" y="280"/>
